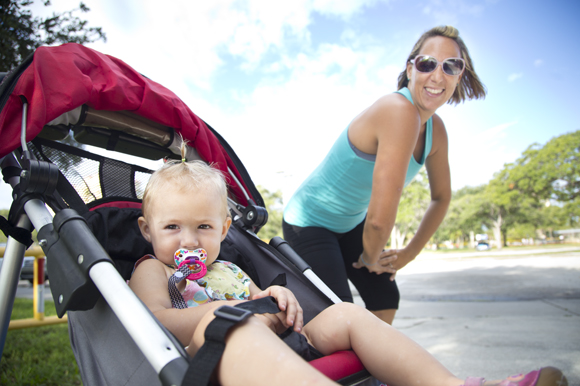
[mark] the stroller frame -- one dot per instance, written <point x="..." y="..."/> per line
<point x="74" y="251"/>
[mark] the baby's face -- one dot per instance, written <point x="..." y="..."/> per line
<point x="181" y="219"/>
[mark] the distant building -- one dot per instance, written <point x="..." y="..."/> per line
<point x="569" y="235"/>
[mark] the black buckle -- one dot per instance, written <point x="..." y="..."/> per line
<point x="233" y="314"/>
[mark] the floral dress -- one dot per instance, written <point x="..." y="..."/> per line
<point x="223" y="281"/>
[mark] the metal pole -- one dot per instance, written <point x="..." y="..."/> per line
<point x="38" y="288"/>
<point x="9" y="277"/>
<point x="152" y="341"/>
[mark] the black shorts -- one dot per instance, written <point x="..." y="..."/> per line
<point x="330" y="255"/>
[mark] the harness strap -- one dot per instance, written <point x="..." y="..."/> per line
<point x="23" y="236"/>
<point x="206" y="359"/>
<point x="10" y="171"/>
<point x="176" y="297"/>
<point x="70" y="195"/>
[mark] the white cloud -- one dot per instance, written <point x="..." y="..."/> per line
<point x="450" y="12"/>
<point x="515" y="76"/>
<point x="342" y="8"/>
<point x="297" y="120"/>
<point x="497" y="131"/>
<point x="190" y="38"/>
<point x="476" y="150"/>
<point x="475" y="163"/>
<point x="538" y="62"/>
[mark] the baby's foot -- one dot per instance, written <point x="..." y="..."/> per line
<point x="547" y="376"/>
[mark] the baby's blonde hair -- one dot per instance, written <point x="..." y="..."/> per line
<point x="183" y="175"/>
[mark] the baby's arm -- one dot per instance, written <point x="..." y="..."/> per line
<point x="291" y="313"/>
<point x="149" y="282"/>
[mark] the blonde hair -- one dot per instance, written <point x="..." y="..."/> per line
<point x="470" y="87"/>
<point x="183" y="175"/>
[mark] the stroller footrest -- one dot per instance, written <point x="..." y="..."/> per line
<point x="341" y="365"/>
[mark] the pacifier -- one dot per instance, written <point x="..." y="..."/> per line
<point x="195" y="261"/>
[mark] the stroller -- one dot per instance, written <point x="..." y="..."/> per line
<point x="65" y="114"/>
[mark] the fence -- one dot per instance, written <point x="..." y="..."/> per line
<point x="38" y="288"/>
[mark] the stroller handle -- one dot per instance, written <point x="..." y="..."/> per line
<point x="283" y="247"/>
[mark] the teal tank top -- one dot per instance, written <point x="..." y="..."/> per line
<point x="336" y="195"/>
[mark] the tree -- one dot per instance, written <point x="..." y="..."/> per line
<point x="536" y="194"/>
<point x="505" y="205"/>
<point x="571" y="210"/>
<point x="3" y="213"/>
<point x="273" y="202"/>
<point x="412" y="206"/>
<point x="21" y="33"/>
<point x="551" y="172"/>
<point x="544" y="185"/>
<point x="464" y="217"/>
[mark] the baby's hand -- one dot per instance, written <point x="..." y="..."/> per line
<point x="291" y="313"/>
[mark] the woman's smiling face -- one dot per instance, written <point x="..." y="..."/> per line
<point x="432" y="90"/>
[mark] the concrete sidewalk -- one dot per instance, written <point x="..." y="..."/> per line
<point x="494" y="316"/>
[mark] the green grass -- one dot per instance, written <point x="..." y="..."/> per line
<point x="39" y="355"/>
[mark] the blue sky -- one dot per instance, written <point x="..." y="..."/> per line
<point x="280" y="80"/>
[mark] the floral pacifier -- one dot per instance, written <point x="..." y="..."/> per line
<point x="195" y="261"/>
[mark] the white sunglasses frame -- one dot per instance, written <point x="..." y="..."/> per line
<point x="412" y="61"/>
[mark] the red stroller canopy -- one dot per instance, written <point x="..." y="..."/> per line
<point x="60" y="79"/>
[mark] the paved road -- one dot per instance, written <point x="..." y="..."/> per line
<point x="495" y="316"/>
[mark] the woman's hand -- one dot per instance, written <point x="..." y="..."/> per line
<point x="390" y="261"/>
<point x="383" y="265"/>
<point x="291" y="313"/>
<point x="404" y="257"/>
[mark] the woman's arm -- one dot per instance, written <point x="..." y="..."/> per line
<point x="437" y="165"/>
<point x="394" y="124"/>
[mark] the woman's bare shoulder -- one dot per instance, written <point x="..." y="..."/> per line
<point x="390" y="108"/>
<point x="395" y="102"/>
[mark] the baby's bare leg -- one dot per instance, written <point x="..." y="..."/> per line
<point x="386" y="353"/>
<point x="254" y="355"/>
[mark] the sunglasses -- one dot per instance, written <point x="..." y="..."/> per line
<point x="450" y="66"/>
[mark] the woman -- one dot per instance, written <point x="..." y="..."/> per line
<point x="341" y="217"/>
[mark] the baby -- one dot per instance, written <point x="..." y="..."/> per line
<point x="186" y="217"/>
